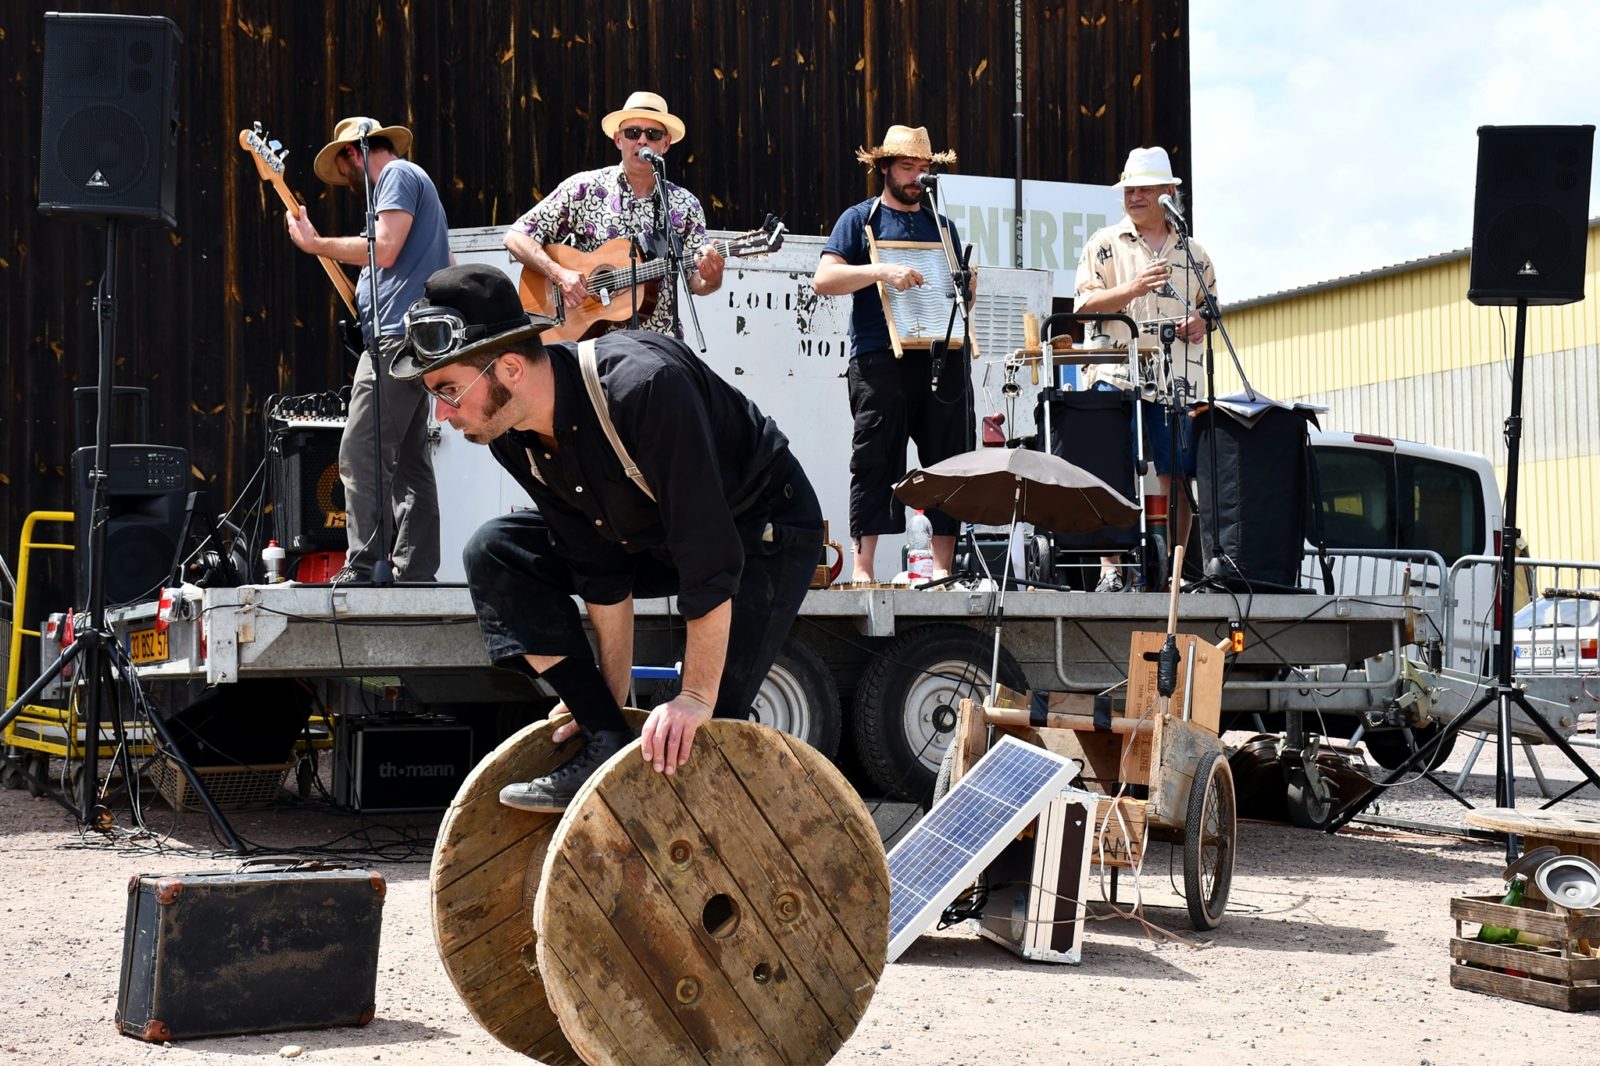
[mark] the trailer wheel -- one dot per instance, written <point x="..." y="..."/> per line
<point x="907" y="700"/>
<point x="799" y="697"/>
<point x="1210" y="838"/>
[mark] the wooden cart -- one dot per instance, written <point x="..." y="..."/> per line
<point x="1158" y="761"/>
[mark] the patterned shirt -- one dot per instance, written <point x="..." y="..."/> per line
<point x="1117" y="253"/>
<point x="595" y="206"/>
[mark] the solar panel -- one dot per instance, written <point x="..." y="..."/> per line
<point x="945" y="851"/>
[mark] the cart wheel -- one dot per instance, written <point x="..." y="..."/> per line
<point x="10" y="770"/>
<point x="798" y="697"/>
<point x="39" y="766"/>
<point x="1210" y="836"/>
<point x="1306" y="809"/>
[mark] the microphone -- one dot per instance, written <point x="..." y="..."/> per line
<point x="646" y="155"/>
<point x="928" y="181"/>
<point x="366" y="127"/>
<point x="1170" y="206"/>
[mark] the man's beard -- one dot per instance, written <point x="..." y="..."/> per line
<point x="910" y="193"/>
<point x="498" y="397"/>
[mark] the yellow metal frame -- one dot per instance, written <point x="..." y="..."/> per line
<point x="58" y="728"/>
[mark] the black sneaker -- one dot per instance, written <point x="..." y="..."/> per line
<point x="554" y="791"/>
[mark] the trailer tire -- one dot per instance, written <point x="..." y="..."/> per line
<point x="921" y="672"/>
<point x="799" y="697"/>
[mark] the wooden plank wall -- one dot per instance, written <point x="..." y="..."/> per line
<point x="505" y="98"/>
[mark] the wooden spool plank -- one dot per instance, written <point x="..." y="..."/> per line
<point x="629" y="914"/>
<point x="759" y="874"/>
<point x="620" y="937"/>
<point x="487" y="862"/>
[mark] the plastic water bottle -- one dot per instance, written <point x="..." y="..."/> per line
<point x="272" y="557"/>
<point x="919" y="548"/>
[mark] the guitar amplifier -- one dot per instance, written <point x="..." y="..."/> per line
<point x="411" y="765"/>
<point x="307" y="494"/>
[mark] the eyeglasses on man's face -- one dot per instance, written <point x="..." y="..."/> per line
<point x="453" y="398"/>
<point x="633" y="133"/>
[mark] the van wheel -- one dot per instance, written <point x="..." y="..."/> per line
<point x="1391" y="747"/>
<point x="908" y="699"/>
<point x="800" y="698"/>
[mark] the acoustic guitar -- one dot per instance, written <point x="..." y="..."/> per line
<point x="268" y="157"/>
<point x="612" y="280"/>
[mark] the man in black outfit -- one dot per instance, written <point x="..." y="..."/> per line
<point x="696" y="496"/>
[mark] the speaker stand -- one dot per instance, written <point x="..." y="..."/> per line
<point x="1502" y="694"/>
<point x="93" y="647"/>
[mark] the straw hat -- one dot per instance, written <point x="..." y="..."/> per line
<point x="903" y="142"/>
<point x="348" y="131"/>
<point x="648" y="106"/>
<point x="1147" y="166"/>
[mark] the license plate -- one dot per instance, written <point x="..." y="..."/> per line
<point x="147" y="646"/>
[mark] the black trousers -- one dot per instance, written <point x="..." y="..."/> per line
<point x="893" y="402"/>
<point x="523" y="591"/>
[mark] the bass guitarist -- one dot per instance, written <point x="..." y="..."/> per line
<point x="593" y="207"/>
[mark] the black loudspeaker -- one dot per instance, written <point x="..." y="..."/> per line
<point x="146" y="490"/>
<point x="308" y="497"/>
<point x="1530" y="216"/>
<point x="1093" y="429"/>
<point x="1253" y="505"/>
<point x="251" y="723"/>
<point x="109" y="144"/>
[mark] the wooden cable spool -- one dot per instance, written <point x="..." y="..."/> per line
<point x="734" y="911"/>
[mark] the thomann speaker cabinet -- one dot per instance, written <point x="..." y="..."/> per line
<point x="146" y="492"/>
<point x="109" y="143"/>
<point x="1529" y="220"/>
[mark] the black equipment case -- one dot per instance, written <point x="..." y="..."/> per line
<point x="277" y="944"/>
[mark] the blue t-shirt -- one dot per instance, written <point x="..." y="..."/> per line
<point x="868" y="330"/>
<point x="404" y="186"/>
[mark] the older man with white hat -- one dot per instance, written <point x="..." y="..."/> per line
<point x="1138" y="267"/>
<point x="412" y="240"/>
<point x="593" y="207"/>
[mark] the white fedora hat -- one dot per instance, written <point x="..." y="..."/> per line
<point x="1147" y="166"/>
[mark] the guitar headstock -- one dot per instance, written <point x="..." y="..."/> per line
<point x="763" y="241"/>
<point x="267" y="154"/>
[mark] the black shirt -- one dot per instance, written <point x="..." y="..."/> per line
<point x="706" y="452"/>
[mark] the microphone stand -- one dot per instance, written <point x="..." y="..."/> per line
<point x="678" y="265"/>
<point x="383" y="565"/>
<point x="960" y="282"/>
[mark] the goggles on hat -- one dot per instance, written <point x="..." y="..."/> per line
<point x="434" y="332"/>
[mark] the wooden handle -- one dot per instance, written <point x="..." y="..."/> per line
<point x="1177" y="585"/>
<point x="1059" y="720"/>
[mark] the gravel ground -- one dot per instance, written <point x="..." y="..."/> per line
<point x="1332" y="948"/>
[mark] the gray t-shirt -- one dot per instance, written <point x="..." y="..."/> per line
<point x="404" y="186"/>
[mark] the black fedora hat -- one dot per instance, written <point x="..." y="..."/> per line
<point x="465" y="309"/>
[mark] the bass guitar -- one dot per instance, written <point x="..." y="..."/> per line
<point x="268" y="157"/>
<point x="612" y="281"/>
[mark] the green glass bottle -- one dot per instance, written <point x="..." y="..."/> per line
<point x="1498" y="934"/>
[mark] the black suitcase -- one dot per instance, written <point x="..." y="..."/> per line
<point x="277" y="944"/>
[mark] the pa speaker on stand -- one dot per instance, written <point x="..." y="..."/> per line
<point x="109" y="143"/>
<point x="1530" y="215"/>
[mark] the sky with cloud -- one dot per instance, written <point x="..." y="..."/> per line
<point x="1338" y="136"/>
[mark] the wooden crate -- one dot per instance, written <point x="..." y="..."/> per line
<point x="1558" y="975"/>
<point x="231" y="787"/>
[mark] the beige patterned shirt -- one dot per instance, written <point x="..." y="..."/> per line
<point x="1117" y="253"/>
